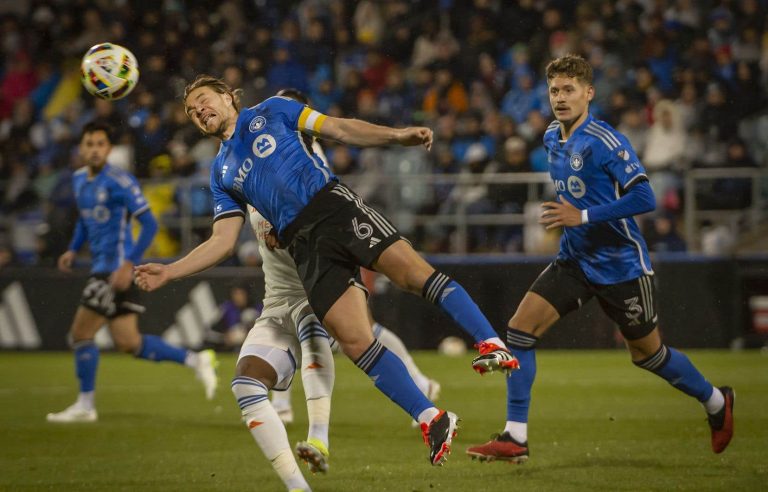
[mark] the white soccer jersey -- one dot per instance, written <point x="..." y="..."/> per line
<point x="280" y="277"/>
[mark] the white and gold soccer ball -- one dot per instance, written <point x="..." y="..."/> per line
<point x="109" y="71"/>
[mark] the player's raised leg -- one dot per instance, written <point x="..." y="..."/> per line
<point x="430" y="387"/>
<point x="674" y="367"/>
<point x="128" y="339"/>
<point x="84" y="328"/>
<point x="318" y="375"/>
<point x="258" y="370"/>
<point x="348" y="321"/>
<point x="409" y="271"/>
<point x="531" y="320"/>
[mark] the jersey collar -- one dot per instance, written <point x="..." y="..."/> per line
<point x="576" y="132"/>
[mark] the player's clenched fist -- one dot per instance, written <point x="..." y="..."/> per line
<point x="151" y="276"/>
<point x="415" y="135"/>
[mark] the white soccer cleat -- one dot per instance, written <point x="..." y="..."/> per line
<point x="314" y="453"/>
<point x="73" y="414"/>
<point x="205" y="371"/>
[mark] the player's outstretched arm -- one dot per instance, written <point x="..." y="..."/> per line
<point x="219" y="246"/>
<point x="364" y="134"/>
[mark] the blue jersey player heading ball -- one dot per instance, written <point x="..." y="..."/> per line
<point x="107" y="199"/>
<point x="600" y="185"/>
<point x="329" y="231"/>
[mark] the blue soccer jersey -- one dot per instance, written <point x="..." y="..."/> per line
<point x="106" y="204"/>
<point x="595" y="166"/>
<point x="266" y="163"/>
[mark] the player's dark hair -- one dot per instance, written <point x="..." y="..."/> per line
<point x="97" y="126"/>
<point x="217" y="85"/>
<point x="294" y="94"/>
<point x="570" y="65"/>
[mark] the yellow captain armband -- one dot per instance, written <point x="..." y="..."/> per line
<point x="311" y="121"/>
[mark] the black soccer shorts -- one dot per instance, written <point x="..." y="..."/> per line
<point x="100" y="297"/>
<point x="631" y="304"/>
<point x="333" y="236"/>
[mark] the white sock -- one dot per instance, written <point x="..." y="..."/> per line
<point x="396" y="346"/>
<point x="496" y="341"/>
<point x="715" y="402"/>
<point x="319" y="413"/>
<point x="426" y="416"/>
<point x="267" y="430"/>
<point x="191" y="359"/>
<point x="86" y="400"/>
<point x="281" y="400"/>
<point x="518" y="430"/>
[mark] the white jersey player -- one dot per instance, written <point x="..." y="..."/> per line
<point x="288" y="331"/>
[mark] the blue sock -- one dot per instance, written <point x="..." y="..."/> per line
<point x="86" y="363"/>
<point x="520" y="382"/>
<point x="154" y="348"/>
<point x="442" y="290"/>
<point x="678" y="371"/>
<point x="391" y="377"/>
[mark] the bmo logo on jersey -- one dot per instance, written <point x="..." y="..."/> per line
<point x="242" y="173"/>
<point x="574" y="185"/>
<point x="264" y="145"/>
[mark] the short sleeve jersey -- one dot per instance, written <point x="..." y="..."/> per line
<point x="106" y="204"/>
<point x="596" y="166"/>
<point x="267" y="165"/>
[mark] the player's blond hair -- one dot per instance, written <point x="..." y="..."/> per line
<point x="217" y="85"/>
<point x="570" y="65"/>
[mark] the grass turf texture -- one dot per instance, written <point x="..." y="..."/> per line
<point x="597" y="423"/>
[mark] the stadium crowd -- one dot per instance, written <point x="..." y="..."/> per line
<point x="684" y="80"/>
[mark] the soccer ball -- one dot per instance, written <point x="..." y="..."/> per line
<point x="109" y="71"/>
<point x="452" y="346"/>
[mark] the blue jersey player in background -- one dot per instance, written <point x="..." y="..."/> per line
<point x="330" y="232"/>
<point x="600" y="186"/>
<point x="107" y="199"/>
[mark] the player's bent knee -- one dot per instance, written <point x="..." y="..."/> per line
<point x="257" y="368"/>
<point x="250" y="394"/>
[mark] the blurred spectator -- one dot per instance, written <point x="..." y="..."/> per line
<point x="663" y="153"/>
<point x="663" y="236"/>
<point x="238" y="313"/>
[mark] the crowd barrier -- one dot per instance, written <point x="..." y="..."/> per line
<point x="702" y="302"/>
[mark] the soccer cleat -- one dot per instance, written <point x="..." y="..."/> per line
<point x="721" y="423"/>
<point x="439" y="434"/>
<point x="501" y="447"/>
<point x="72" y="414"/>
<point x="314" y="453"/>
<point x="205" y="371"/>
<point x="494" y="358"/>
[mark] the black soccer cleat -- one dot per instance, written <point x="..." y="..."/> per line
<point x="439" y="434"/>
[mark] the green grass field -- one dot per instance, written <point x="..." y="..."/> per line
<point x="597" y="423"/>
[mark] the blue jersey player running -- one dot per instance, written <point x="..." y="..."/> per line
<point x="330" y="232"/>
<point x="600" y="186"/>
<point x="107" y="198"/>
